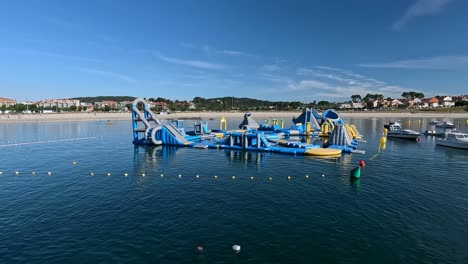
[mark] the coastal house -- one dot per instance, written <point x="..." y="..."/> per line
<point x="86" y="104"/>
<point x="412" y="103"/>
<point x="7" y="102"/>
<point x="186" y="104"/>
<point x="396" y="103"/>
<point x="59" y="103"/>
<point x="372" y="104"/>
<point x="446" y="101"/>
<point x="345" y="106"/>
<point x="160" y="105"/>
<point x="431" y="102"/>
<point x="125" y="105"/>
<point x="357" y="105"/>
<point x="111" y="104"/>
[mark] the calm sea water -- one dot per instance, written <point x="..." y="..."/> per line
<point x="410" y="205"/>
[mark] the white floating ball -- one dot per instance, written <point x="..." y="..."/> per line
<point x="125" y="174"/>
<point x="198" y="176"/>
<point x="143" y="174"/>
<point x="16" y="172"/>
<point x="92" y="174"/>
<point x="108" y="174"/>
<point x="236" y="248"/>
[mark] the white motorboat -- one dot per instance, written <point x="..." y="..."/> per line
<point x="395" y="130"/>
<point x="445" y="125"/>
<point x="454" y="140"/>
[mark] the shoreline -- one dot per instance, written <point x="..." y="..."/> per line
<point x="127" y="116"/>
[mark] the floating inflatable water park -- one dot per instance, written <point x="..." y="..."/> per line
<point x="311" y="134"/>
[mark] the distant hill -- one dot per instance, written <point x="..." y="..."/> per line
<point x="226" y="103"/>
<point x="104" y="98"/>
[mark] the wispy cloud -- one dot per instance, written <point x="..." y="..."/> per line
<point x="109" y="74"/>
<point x="339" y="83"/>
<point x="420" y="8"/>
<point x="52" y="55"/>
<point x="232" y="52"/>
<point x="309" y="84"/>
<point x="275" y="78"/>
<point x="209" y="50"/>
<point x="432" y="63"/>
<point x="340" y="75"/>
<point x="276" y="66"/>
<point x="68" y="57"/>
<point x="192" y="63"/>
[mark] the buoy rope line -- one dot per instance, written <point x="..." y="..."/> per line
<point x="377" y="154"/>
<point x="45" y="141"/>
<point x="162" y="175"/>
<point x="382" y="144"/>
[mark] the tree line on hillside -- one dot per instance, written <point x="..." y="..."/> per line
<point x="94" y="99"/>
<point x="372" y="97"/>
<point x="247" y="104"/>
<point x="213" y="104"/>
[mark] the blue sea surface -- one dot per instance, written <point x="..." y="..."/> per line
<point x="65" y="198"/>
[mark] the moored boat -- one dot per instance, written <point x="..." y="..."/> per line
<point x="445" y="125"/>
<point x="395" y="130"/>
<point x="434" y="133"/>
<point x="454" y="140"/>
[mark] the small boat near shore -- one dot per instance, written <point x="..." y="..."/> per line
<point x="434" y="133"/>
<point x="395" y="130"/>
<point x="454" y="140"/>
<point x="445" y="125"/>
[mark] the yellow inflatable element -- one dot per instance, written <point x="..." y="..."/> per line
<point x="385" y="131"/>
<point x="353" y="127"/>
<point x="219" y="135"/>
<point x="383" y="140"/>
<point x="325" y="128"/>
<point x="382" y="146"/>
<point x="222" y="123"/>
<point x="307" y="128"/>
<point x="323" y="152"/>
<point x="282" y="123"/>
<point x="352" y="132"/>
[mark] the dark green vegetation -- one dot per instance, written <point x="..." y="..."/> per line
<point x="223" y="104"/>
<point x="89" y="99"/>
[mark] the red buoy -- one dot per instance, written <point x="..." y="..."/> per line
<point x="362" y="163"/>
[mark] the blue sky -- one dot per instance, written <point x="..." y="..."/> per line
<point x="273" y="50"/>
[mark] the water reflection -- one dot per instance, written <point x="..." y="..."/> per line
<point x="452" y="153"/>
<point x="246" y="158"/>
<point x="148" y="158"/>
<point x="355" y="183"/>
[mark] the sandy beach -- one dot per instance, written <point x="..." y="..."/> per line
<point x="72" y="117"/>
